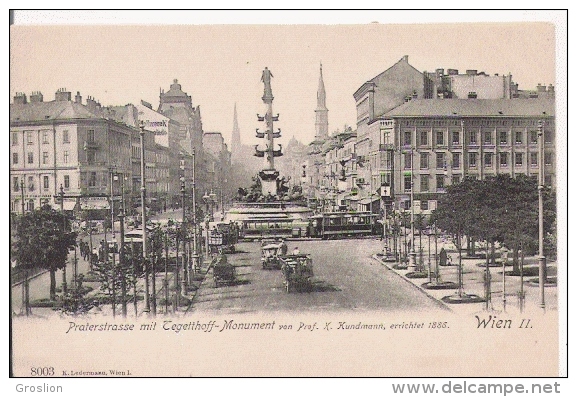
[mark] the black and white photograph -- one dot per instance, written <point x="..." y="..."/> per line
<point x="382" y="196"/>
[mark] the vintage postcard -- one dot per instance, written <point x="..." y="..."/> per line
<point x="374" y="198"/>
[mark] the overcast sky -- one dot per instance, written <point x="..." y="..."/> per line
<point x="220" y="64"/>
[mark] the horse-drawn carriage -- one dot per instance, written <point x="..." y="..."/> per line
<point x="271" y="251"/>
<point x="223" y="272"/>
<point x="297" y="270"/>
<point x="223" y="238"/>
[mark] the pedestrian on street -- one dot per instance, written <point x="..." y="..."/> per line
<point x="283" y="247"/>
<point x="443" y="257"/>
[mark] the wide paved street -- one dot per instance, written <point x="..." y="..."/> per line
<point x="345" y="278"/>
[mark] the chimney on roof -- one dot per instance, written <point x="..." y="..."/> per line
<point x="471" y="72"/>
<point x="452" y="72"/>
<point x="541" y="88"/>
<point x="78" y="98"/>
<point x="62" y="95"/>
<point x="20" y="98"/>
<point x="405" y="58"/>
<point x="440" y="72"/>
<point x="551" y="88"/>
<point x="36" y="96"/>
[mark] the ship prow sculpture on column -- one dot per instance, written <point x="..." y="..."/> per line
<point x="270" y="196"/>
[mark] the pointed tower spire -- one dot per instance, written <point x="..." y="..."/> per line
<point x="235" y="144"/>
<point x="321" y="94"/>
<point x="322" y="117"/>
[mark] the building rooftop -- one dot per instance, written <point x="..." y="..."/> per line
<point x="474" y="107"/>
<point x="53" y="110"/>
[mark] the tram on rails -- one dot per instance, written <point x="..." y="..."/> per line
<point x="333" y="225"/>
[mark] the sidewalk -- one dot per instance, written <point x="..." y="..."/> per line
<point x="473" y="284"/>
<point x="186" y="297"/>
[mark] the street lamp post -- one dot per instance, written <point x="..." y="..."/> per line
<point x="542" y="261"/>
<point x="212" y="202"/>
<point x="412" y="255"/>
<point x="206" y="199"/>
<point x="112" y="178"/>
<point x="143" y="206"/>
<point x="185" y="258"/>
<point x="22" y="194"/>
<point x="194" y="221"/>
<point x="429" y="256"/>
<point x="64" y="284"/>
<point x="121" y="261"/>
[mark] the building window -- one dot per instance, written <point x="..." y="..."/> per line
<point x="473" y="138"/>
<point x="31" y="186"/>
<point x="488" y="138"/>
<point x="92" y="180"/>
<point x="503" y="159"/>
<point x="66" y="181"/>
<point x="65" y="156"/>
<point x="90" y="157"/>
<point x="29" y="140"/>
<point x="408" y="140"/>
<point x="518" y="138"/>
<point x="548" y="158"/>
<point x="456" y="179"/>
<point x="14" y="158"/>
<point x="548" y="137"/>
<point x="503" y="137"/>
<point x="533" y="137"/>
<point x="407" y="183"/>
<point x="455" y="137"/>
<point x="534" y="159"/>
<point x="15" y="183"/>
<point x="440" y="161"/>
<point x="44" y="157"/>
<point x="440" y="182"/>
<point x="548" y="180"/>
<point x="424" y="205"/>
<point x="472" y="159"/>
<point x="439" y="138"/>
<point x="488" y="160"/>
<point x="424" y="138"/>
<point x="30" y="158"/>
<point x="424" y="183"/>
<point x="518" y="159"/>
<point x="14" y="138"/>
<point x="456" y="160"/>
<point x="90" y="136"/>
<point x="45" y="182"/>
<point x="44" y="137"/>
<point x="408" y="157"/>
<point x="65" y="137"/>
<point x="424" y="161"/>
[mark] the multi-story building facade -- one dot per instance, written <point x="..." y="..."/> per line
<point x="95" y="152"/>
<point x="65" y="143"/>
<point x="437" y="143"/>
<point x="374" y="98"/>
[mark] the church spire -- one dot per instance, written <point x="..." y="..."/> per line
<point x="321" y="94"/>
<point x="235" y="144"/>
<point x="321" y="112"/>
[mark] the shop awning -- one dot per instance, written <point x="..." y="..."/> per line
<point x="367" y="201"/>
<point x="91" y="204"/>
<point x="69" y="205"/>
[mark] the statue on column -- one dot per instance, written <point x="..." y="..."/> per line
<point x="266" y="75"/>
